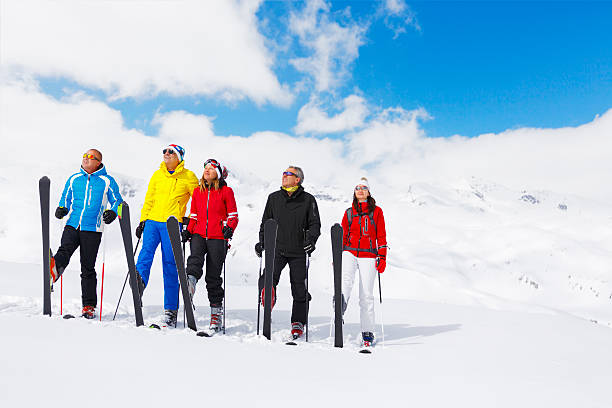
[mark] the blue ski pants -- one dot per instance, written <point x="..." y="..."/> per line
<point x="155" y="233"/>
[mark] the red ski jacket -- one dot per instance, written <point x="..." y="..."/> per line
<point x="209" y="210"/>
<point x="366" y="236"/>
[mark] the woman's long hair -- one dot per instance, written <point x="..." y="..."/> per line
<point x="371" y="203"/>
<point x="216" y="184"/>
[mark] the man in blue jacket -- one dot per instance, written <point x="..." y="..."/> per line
<point x="84" y="200"/>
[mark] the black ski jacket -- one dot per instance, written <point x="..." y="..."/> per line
<point x="298" y="220"/>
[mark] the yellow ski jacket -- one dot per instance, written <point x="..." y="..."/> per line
<point x="168" y="194"/>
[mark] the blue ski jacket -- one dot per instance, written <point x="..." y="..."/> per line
<point x="86" y="196"/>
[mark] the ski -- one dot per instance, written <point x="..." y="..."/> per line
<point x="174" y="231"/>
<point x="207" y="333"/>
<point x="126" y="233"/>
<point x="336" y="238"/>
<point x="68" y="316"/>
<point x="44" y="188"/>
<point x="270" y="228"/>
<point x="365" y="350"/>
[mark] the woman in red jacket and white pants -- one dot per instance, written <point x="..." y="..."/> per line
<point x="364" y="250"/>
<point x="213" y="219"/>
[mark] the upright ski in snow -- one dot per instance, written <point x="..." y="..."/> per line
<point x="44" y="186"/>
<point x="126" y="233"/>
<point x="174" y="231"/>
<point x="336" y="241"/>
<point x="270" y="228"/>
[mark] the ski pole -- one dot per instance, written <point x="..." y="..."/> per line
<point x="224" y="257"/>
<point x="102" y="285"/>
<point x="61" y="294"/>
<point x="382" y="320"/>
<point x="125" y="281"/>
<point x="307" y="294"/>
<point x="258" y="296"/>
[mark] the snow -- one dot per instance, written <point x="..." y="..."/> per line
<point x="498" y="289"/>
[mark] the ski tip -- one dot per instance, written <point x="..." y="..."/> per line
<point x="291" y="343"/>
<point x="203" y="334"/>
<point x="365" y="351"/>
<point x="68" y="316"/>
<point x="154" y="326"/>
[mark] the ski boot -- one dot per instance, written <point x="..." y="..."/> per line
<point x="367" y="342"/>
<point x="169" y="319"/>
<point x="297" y="329"/>
<point x="89" y="312"/>
<point x="216" y="318"/>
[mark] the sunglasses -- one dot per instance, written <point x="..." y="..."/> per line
<point x="288" y="173"/>
<point x="361" y="188"/>
<point x="90" y="157"/>
<point x="169" y="151"/>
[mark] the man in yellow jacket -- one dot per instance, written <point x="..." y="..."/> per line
<point x="168" y="193"/>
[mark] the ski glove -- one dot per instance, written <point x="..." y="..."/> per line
<point x="185" y="235"/>
<point x="139" y="229"/>
<point x="60" y="212"/>
<point x="259" y="249"/>
<point x="309" y="246"/>
<point x="228" y="232"/>
<point x="109" y="216"/>
<point x="381" y="263"/>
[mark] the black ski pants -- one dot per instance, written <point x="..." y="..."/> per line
<point x="297" y="277"/>
<point x="213" y="251"/>
<point x="89" y="242"/>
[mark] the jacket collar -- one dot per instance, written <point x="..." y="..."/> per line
<point x="100" y="172"/>
<point x="294" y="195"/>
<point x="179" y="168"/>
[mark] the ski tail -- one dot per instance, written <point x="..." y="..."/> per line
<point x="270" y="229"/>
<point x="174" y="232"/>
<point x="336" y="238"/>
<point x="126" y="233"/>
<point x="44" y="188"/>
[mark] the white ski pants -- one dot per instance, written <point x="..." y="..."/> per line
<point x="367" y="277"/>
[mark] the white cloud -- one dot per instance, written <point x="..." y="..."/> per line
<point x="141" y="49"/>
<point x="334" y="47"/>
<point x="312" y="119"/>
<point x="397" y="15"/>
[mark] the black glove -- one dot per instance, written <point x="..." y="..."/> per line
<point x="228" y="232"/>
<point x="309" y="246"/>
<point x="139" y="229"/>
<point x="60" y="212"/>
<point x="259" y="249"/>
<point x="185" y="235"/>
<point x="109" y="216"/>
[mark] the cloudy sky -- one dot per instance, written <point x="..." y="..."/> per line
<point x="511" y="90"/>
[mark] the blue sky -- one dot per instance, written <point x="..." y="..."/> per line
<point x="475" y="67"/>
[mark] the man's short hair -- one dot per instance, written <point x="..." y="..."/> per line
<point x="299" y="173"/>
<point x="99" y="153"/>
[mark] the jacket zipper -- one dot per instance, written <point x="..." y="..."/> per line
<point x="84" y="200"/>
<point x="207" y="199"/>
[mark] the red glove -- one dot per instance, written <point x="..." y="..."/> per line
<point x="191" y="226"/>
<point x="381" y="263"/>
<point x="381" y="259"/>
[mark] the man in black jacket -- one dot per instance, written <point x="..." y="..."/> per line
<point x="299" y="227"/>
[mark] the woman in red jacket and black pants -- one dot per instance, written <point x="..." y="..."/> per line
<point x="213" y="219"/>
<point x="364" y="250"/>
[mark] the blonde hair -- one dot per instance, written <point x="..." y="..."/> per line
<point x="214" y="184"/>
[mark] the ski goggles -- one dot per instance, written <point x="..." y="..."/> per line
<point x="212" y="162"/>
<point x="288" y="173"/>
<point x="169" y="151"/>
<point x="361" y="188"/>
<point x="90" y="157"/>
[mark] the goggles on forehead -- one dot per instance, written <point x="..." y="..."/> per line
<point x="212" y="162"/>
<point x="90" y="157"/>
